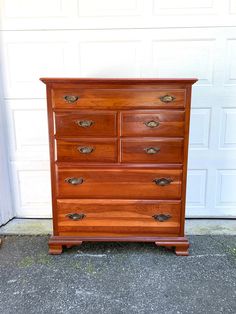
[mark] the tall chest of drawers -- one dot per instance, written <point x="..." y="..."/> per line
<point x="118" y="155"/>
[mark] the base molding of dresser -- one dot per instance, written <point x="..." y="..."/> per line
<point x="180" y="244"/>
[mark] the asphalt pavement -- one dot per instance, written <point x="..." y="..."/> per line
<point x="109" y="278"/>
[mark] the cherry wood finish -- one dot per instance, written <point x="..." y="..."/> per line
<point x="128" y="183"/>
<point x="119" y="183"/>
<point x="162" y="150"/>
<point x="179" y="244"/>
<point x="88" y="150"/>
<point x="119" y="98"/>
<point x="64" y="81"/>
<point x="124" y="218"/>
<point x="167" y="123"/>
<point x="102" y="124"/>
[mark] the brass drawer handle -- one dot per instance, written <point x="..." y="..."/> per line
<point x="74" y="181"/>
<point x="152" y="150"/>
<point x="167" y="98"/>
<point x="162" y="181"/>
<point x="161" y="217"/>
<point x="152" y="124"/>
<point x="86" y="149"/>
<point x="75" y="216"/>
<point x="85" y="123"/>
<point x="71" y="98"/>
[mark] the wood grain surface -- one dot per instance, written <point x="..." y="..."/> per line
<point x="118" y="217"/>
<point x="121" y="98"/>
<point x="119" y="183"/>
<point x="170" y="123"/>
<point x="165" y="150"/>
<point x="102" y="150"/>
<point x="117" y="187"/>
<point x="103" y="124"/>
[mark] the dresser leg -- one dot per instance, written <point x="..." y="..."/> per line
<point x="55" y="249"/>
<point x="182" y="250"/>
<point x="180" y="245"/>
<point x="56" y="244"/>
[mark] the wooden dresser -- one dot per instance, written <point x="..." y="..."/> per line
<point x="118" y="150"/>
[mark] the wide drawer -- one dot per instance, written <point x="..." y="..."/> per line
<point x="118" y="217"/>
<point x="86" y="150"/>
<point x="85" y="124"/>
<point x="152" y="151"/>
<point x="153" y="123"/>
<point x="118" y="98"/>
<point x="119" y="183"/>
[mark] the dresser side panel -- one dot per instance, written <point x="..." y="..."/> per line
<point x="52" y="157"/>
<point x="185" y="162"/>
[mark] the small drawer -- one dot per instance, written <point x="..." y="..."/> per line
<point x="118" y="98"/>
<point x="119" y="183"/>
<point x="153" y="123"/>
<point x="88" y="123"/>
<point x="86" y="150"/>
<point x="118" y="217"/>
<point x="152" y="151"/>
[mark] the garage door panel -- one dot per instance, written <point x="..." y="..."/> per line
<point x="107" y="14"/>
<point x="208" y="53"/>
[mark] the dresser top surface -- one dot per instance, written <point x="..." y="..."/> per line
<point x="120" y="80"/>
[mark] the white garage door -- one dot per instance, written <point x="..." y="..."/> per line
<point x="125" y="38"/>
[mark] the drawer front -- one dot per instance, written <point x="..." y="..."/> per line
<point x="86" y="150"/>
<point x="155" y="123"/>
<point x="86" y="124"/>
<point x="152" y="151"/>
<point x="118" y="98"/>
<point x="119" y="183"/>
<point x="118" y="217"/>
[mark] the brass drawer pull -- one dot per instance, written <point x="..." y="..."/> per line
<point x="161" y="217"/>
<point x="152" y="124"/>
<point x="162" y="181"/>
<point x="85" y="123"/>
<point x="71" y="98"/>
<point x="167" y="98"/>
<point x="86" y="149"/>
<point x="152" y="150"/>
<point x="74" y="181"/>
<point x="75" y="216"/>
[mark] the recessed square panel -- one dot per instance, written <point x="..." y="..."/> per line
<point x="181" y="7"/>
<point x="32" y="8"/>
<point x="200" y="128"/>
<point x="232" y="7"/>
<point x="109" y="59"/>
<point x="184" y="58"/>
<point x="230" y="62"/>
<point x="30" y="130"/>
<point x="228" y="128"/>
<point x="106" y="8"/>
<point x="196" y="188"/>
<point x="29" y="61"/>
<point x="34" y="187"/>
<point x="226" y="188"/>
